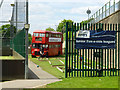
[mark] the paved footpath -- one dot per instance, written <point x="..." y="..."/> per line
<point x="37" y="78"/>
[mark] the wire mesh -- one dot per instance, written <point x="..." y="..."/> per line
<point x="12" y="20"/>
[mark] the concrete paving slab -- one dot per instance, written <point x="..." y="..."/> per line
<point x="27" y="83"/>
<point x="41" y="74"/>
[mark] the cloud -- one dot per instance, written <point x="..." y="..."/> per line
<point x="79" y="10"/>
<point x="48" y="13"/>
<point x="5" y="11"/>
<point x="81" y="1"/>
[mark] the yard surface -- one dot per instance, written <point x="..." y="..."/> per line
<point x="80" y="82"/>
<point x="86" y="82"/>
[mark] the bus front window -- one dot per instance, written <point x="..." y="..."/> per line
<point x="36" y="45"/>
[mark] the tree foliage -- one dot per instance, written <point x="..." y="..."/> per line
<point x="86" y="21"/>
<point x="29" y="38"/>
<point x="6" y="29"/>
<point x="49" y="29"/>
<point x="61" y="26"/>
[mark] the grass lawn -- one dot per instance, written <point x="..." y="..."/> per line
<point x="47" y="67"/>
<point x="86" y="82"/>
<point x="56" y="62"/>
<point x="80" y="82"/>
<point x="6" y="57"/>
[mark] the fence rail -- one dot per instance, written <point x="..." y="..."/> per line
<point x="105" y="11"/>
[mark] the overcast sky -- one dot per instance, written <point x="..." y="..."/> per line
<point x="44" y="14"/>
<point x="48" y="13"/>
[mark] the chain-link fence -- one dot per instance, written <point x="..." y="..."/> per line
<point x="105" y="11"/>
<point x="12" y="20"/>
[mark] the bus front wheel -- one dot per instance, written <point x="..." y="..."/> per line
<point x="33" y="56"/>
<point x="47" y="54"/>
<point x="58" y="53"/>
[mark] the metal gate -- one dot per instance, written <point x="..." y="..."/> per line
<point x="90" y="62"/>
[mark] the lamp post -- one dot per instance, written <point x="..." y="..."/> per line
<point x="26" y="26"/>
<point x="88" y="12"/>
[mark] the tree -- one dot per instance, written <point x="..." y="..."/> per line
<point x="86" y="21"/>
<point x="7" y="30"/>
<point x="49" y="29"/>
<point x="61" y="26"/>
<point x="30" y="38"/>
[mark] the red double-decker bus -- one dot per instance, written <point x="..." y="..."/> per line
<point x="50" y="41"/>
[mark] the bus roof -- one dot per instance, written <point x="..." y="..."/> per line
<point x="43" y="31"/>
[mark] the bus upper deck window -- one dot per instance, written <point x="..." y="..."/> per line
<point x="42" y="34"/>
<point x="46" y="34"/>
<point x="36" y="34"/>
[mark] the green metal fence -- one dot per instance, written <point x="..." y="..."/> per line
<point x="90" y="62"/>
<point x="18" y="42"/>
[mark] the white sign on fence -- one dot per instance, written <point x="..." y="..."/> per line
<point x="83" y="34"/>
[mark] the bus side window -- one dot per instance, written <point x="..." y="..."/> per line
<point x="43" y="35"/>
<point x="49" y="35"/>
<point x="53" y="46"/>
<point x="59" y="46"/>
<point x="56" y="46"/>
<point x="52" y="35"/>
<point x="40" y="34"/>
<point x="49" y="46"/>
<point x="46" y="34"/>
<point x="61" y="36"/>
<point x="36" y="34"/>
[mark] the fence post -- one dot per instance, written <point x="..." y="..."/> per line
<point x="26" y="42"/>
<point x="102" y="12"/>
<point x="105" y="10"/>
<point x="118" y="50"/>
<point x="114" y="5"/>
<point x="99" y="14"/>
<point x="109" y="7"/>
<point x="66" y="51"/>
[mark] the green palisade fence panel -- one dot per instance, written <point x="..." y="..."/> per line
<point x="89" y="62"/>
